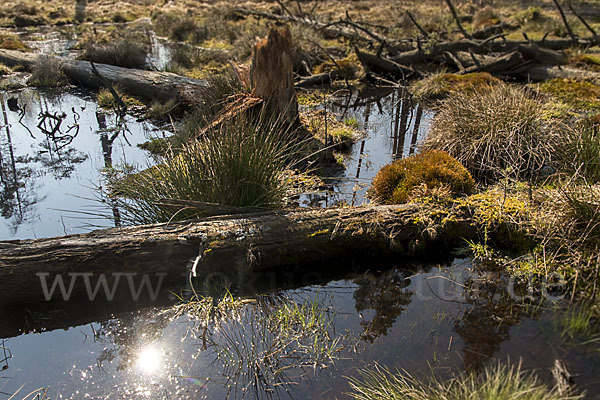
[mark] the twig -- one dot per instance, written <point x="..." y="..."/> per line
<point x="415" y="23"/>
<point x="564" y="19"/>
<point x="334" y="62"/>
<point x="285" y="9"/>
<point x="583" y="21"/>
<point x="457" y="19"/>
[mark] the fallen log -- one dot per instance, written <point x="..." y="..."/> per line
<point x="227" y="245"/>
<point x="145" y="84"/>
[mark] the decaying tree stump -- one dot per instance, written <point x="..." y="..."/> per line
<point x="272" y="76"/>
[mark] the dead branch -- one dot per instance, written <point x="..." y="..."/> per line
<point x="564" y="20"/>
<point x="457" y="19"/>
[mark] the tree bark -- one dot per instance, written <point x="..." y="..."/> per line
<point x="230" y="245"/>
<point x="145" y="84"/>
<point x="272" y="74"/>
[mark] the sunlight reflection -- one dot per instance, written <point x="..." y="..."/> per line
<point x="149" y="360"/>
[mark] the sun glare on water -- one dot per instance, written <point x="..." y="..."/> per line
<point x="149" y="360"/>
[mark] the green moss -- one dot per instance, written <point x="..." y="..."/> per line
<point x="311" y="98"/>
<point x="439" y="86"/>
<point x="591" y="61"/>
<point x="319" y="233"/>
<point x="397" y="183"/>
<point x="584" y="96"/>
<point x="107" y="101"/>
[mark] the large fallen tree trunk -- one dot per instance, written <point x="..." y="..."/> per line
<point x="141" y="83"/>
<point x="229" y="245"/>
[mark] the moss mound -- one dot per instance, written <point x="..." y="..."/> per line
<point x="396" y="183"/>
<point x="440" y="86"/>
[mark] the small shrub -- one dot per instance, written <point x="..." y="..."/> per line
<point x="441" y="85"/>
<point x="119" y="18"/>
<point x="497" y="133"/>
<point x="350" y="67"/>
<point x="23" y="21"/>
<point x="12" y="42"/>
<point x="47" y="72"/>
<point x="122" y="53"/>
<point x="397" y="182"/>
<point x="485" y="17"/>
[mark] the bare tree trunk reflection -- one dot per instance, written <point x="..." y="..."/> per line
<point x="12" y="157"/>
<point x="360" y="155"/>
<point x="107" y="144"/>
<point x="418" y="117"/>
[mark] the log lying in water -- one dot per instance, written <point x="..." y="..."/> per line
<point x="145" y="84"/>
<point x="229" y="245"/>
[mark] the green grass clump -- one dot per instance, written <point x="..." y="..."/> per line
<point x="579" y="326"/>
<point x="494" y="383"/>
<point x="239" y="164"/>
<point x="397" y="182"/>
<point x="441" y="85"/>
<point x="584" y="96"/>
<point x="159" y="110"/>
<point x="12" y="42"/>
<point x="47" y="72"/>
<point x="496" y="133"/>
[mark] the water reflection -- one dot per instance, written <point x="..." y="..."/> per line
<point x="299" y="343"/>
<point x="395" y="125"/>
<point x="53" y="148"/>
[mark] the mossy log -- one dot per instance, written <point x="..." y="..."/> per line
<point x="230" y="245"/>
<point x="145" y="84"/>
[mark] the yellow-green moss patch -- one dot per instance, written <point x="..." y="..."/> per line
<point x="439" y="86"/>
<point x="584" y="96"/>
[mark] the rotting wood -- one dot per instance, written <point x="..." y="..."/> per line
<point x="144" y="84"/>
<point x="272" y="74"/>
<point x="229" y="245"/>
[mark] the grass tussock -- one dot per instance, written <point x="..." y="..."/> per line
<point x="494" y="383"/>
<point x="122" y="53"/>
<point x="400" y="181"/>
<point x="580" y="151"/>
<point x="47" y="72"/>
<point x="239" y="164"/>
<point x="442" y="85"/>
<point x="497" y="133"/>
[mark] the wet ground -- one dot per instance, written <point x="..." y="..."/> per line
<point x="446" y="317"/>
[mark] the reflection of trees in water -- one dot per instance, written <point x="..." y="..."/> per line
<point x="15" y="199"/>
<point x="486" y="324"/>
<point x="386" y="295"/>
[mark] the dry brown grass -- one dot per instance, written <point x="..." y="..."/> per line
<point x="497" y="133"/>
